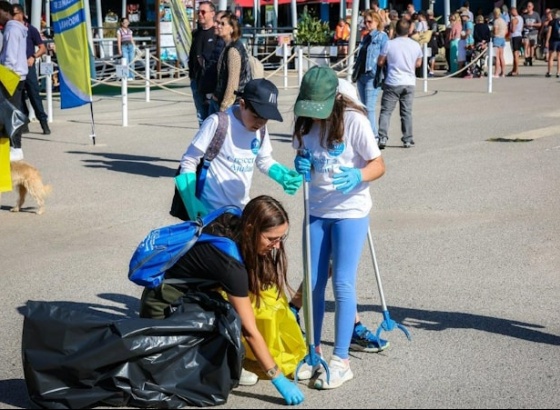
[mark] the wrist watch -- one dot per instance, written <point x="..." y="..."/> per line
<point x="272" y="372"/>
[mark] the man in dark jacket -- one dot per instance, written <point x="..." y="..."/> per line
<point x="203" y="42"/>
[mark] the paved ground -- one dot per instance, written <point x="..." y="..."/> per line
<point x="466" y="229"/>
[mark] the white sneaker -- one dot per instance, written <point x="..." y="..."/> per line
<point x="16" y="154"/>
<point x="306" y="371"/>
<point x="248" y="378"/>
<point x="339" y="371"/>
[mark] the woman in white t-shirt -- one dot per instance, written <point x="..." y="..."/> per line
<point x="336" y="147"/>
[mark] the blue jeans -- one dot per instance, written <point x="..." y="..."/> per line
<point x="200" y="103"/>
<point x="404" y="95"/>
<point x="341" y="240"/>
<point x="128" y="53"/>
<point x="368" y="96"/>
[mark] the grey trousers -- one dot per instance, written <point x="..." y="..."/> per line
<point x="404" y="95"/>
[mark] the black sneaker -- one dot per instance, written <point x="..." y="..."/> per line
<point x="547" y="75"/>
<point x="45" y="127"/>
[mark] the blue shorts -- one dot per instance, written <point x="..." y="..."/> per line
<point x="554" y="46"/>
<point x="499" y="42"/>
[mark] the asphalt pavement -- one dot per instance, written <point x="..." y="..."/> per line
<point x="466" y="228"/>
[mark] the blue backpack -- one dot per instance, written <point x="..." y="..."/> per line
<point x="163" y="247"/>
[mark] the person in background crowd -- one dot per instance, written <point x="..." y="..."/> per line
<point x="481" y="31"/>
<point x="516" y="38"/>
<point x="499" y="31"/>
<point x="452" y="37"/>
<point x="433" y="43"/>
<point x="13" y="56"/>
<point x="370" y="48"/>
<point x="234" y="70"/>
<point x="532" y="22"/>
<point x="547" y="18"/>
<point x="391" y="29"/>
<point x="552" y="42"/>
<point x="204" y="39"/>
<point x="126" y="46"/>
<point x="209" y="76"/>
<point x="505" y="14"/>
<point x="34" y="50"/>
<point x="402" y="56"/>
<point x="467" y="8"/>
<point x="341" y="37"/>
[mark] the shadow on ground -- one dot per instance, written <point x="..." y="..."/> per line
<point x="130" y="164"/>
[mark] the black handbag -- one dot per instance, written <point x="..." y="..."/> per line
<point x="11" y="119"/>
<point x="360" y="63"/>
<point x="380" y="75"/>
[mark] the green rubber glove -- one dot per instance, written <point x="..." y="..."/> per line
<point x="290" y="180"/>
<point x="186" y="185"/>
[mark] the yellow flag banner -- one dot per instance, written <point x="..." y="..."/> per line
<point x="72" y="52"/>
<point x="181" y="31"/>
<point x="9" y="78"/>
<point x="5" y="175"/>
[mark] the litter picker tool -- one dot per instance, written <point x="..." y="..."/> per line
<point x="387" y="324"/>
<point x="312" y="358"/>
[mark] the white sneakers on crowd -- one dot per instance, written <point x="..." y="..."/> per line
<point x="248" y="378"/>
<point x="16" y="154"/>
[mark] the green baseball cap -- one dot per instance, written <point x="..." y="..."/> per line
<point x="317" y="93"/>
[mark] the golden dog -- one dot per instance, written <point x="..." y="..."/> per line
<point x="27" y="179"/>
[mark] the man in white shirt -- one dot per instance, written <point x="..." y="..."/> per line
<point x="402" y="56"/>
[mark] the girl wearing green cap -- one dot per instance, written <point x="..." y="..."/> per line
<point x="336" y="146"/>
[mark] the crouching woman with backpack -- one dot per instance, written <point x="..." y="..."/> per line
<point x="259" y="234"/>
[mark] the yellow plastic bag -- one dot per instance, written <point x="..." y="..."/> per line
<point x="280" y="330"/>
<point x="5" y="176"/>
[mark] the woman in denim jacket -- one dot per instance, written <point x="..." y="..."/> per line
<point x="370" y="48"/>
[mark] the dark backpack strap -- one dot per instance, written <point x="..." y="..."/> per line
<point x="212" y="150"/>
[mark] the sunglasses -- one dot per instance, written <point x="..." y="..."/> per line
<point x="203" y="12"/>
<point x="369" y="21"/>
<point x="275" y="241"/>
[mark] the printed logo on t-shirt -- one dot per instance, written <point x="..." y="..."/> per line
<point x="241" y="164"/>
<point x="255" y="146"/>
<point x="337" y="149"/>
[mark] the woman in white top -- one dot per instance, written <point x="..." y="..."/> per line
<point x="337" y="149"/>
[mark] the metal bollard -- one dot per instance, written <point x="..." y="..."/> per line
<point x="490" y="62"/>
<point x="124" y="84"/>
<point x="147" y="51"/>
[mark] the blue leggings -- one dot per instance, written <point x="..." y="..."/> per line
<point x="341" y="240"/>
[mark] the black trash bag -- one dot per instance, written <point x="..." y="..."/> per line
<point x="74" y="359"/>
<point x="11" y="119"/>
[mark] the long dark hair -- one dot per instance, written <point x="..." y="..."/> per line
<point x="261" y="214"/>
<point x="331" y="129"/>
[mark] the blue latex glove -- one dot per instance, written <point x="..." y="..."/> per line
<point x="290" y="391"/>
<point x="302" y="164"/>
<point x="186" y="185"/>
<point x="289" y="179"/>
<point x="347" y="179"/>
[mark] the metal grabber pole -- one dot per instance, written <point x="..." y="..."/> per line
<point x="387" y="324"/>
<point x="312" y="358"/>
